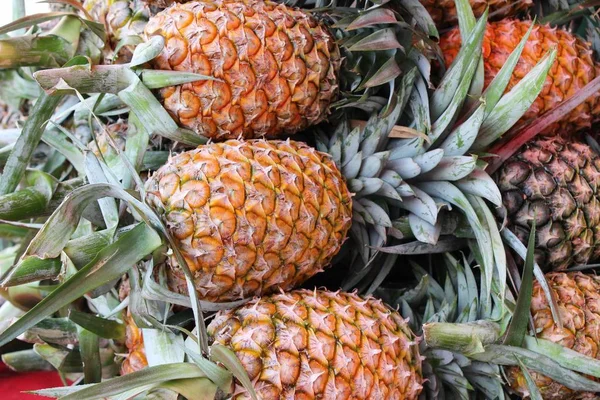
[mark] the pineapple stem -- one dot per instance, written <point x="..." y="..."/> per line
<point x="518" y="138"/>
<point x="467" y="338"/>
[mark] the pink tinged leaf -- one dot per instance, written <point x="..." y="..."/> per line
<point x="373" y="17"/>
<point x="384" y="39"/>
<point x="388" y="71"/>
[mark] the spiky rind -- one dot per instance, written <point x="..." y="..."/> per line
<point x="556" y="183"/>
<point x="134" y="340"/>
<point x="573" y="69"/>
<point x="276" y="67"/>
<point x="321" y="345"/>
<point x="252" y="217"/>
<point x="578" y="300"/>
<point x="444" y="13"/>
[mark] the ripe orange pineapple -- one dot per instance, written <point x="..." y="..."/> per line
<point x="573" y="69"/>
<point x="578" y="298"/>
<point x="443" y="12"/>
<point x="276" y="67"/>
<point x="316" y="345"/>
<point x="251" y="217"/>
<point x="136" y="357"/>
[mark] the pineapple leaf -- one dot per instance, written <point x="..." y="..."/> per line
<point x="515" y="103"/>
<point x="59" y="331"/>
<point x="421" y="16"/>
<point x="163" y="347"/>
<point x="450" y="193"/>
<point x="152" y="114"/>
<point x="417" y="247"/>
<point x="156" y="79"/>
<point x="429" y="160"/>
<point x="96" y="175"/>
<point x="496" y="88"/>
<point x="110" y="263"/>
<point x="451" y="169"/>
<point x="147" y="51"/>
<point x="382" y="39"/>
<point x="422" y="205"/>
<point x="457" y="73"/>
<point x="518" y="326"/>
<point x="564" y="356"/>
<point x="192" y="389"/>
<point x="466" y="23"/>
<point x="377" y="16"/>
<point x="105" y="328"/>
<point x="30" y="20"/>
<point x="31" y="200"/>
<point x="460" y="140"/>
<point x="514" y="243"/>
<point x="27" y="142"/>
<point x="90" y="356"/>
<point x="146" y="378"/>
<point x="450" y="114"/>
<point x="423" y="230"/>
<point x="479" y="183"/>
<point x="26" y="361"/>
<point x="508" y="355"/>
<point x="388" y="71"/>
<point x="228" y="358"/>
<point x="534" y="392"/>
<point x="489" y="223"/>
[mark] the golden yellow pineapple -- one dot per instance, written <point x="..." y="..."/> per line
<point x="276" y="67"/>
<point x="578" y="298"/>
<point x="443" y="12"/>
<point x="573" y="69"/>
<point x="251" y="217"/>
<point x="317" y="345"/>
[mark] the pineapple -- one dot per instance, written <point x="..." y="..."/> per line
<point x="577" y="295"/>
<point x="315" y="345"/>
<point x="136" y="355"/>
<point x="276" y="67"/>
<point x="554" y="181"/>
<point x="251" y="217"/>
<point x="443" y="12"/>
<point x="573" y="69"/>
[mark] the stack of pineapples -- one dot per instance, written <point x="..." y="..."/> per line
<point x="171" y="163"/>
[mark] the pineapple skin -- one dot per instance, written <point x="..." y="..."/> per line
<point x="559" y="180"/>
<point x="321" y="345"/>
<point x="251" y="217"/>
<point x="578" y="299"/>
<point x="134" y="340"/>
<point x="277" y="67"/>
<point x="573" y="69"/>
<point x="443" y="12"/>
<point x="313" y="345"/>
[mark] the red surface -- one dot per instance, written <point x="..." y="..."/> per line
<point x="12" y="384"/>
